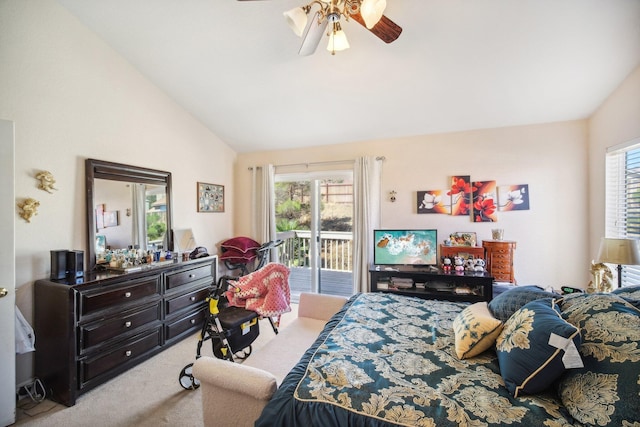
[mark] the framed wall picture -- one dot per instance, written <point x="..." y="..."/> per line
<point x="111" y="218"/>
<point x="210" y="197"/>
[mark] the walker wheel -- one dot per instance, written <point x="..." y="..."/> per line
<point x="187" y="381"/>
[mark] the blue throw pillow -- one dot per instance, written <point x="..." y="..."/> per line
<point x="606" y="392"/>
<point x="535" y="347"/>
<point x="504" y="305"/>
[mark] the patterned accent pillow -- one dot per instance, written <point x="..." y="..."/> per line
<point x="475" y="330"/>
<point x="535" y="347"/>
<point x="606" y="392"/>
<point x="504" y="305"/>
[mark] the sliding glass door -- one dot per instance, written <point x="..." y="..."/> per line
<point x="314" y="217"/>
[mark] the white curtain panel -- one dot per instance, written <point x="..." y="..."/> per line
<point x="138" y="210"/>
<point x="264" y="210"/>
<point x="366" y="217"/>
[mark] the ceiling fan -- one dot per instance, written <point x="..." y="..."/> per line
<point x="368" y="13"/>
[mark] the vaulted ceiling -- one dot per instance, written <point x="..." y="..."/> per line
<point x="458" y="65"/>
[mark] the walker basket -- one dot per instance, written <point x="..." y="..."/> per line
<point x="241" y="327"/>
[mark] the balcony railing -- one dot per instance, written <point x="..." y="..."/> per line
<point x="335" y="249"/>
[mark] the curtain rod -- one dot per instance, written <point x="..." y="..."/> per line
<point x="332" y="162"/>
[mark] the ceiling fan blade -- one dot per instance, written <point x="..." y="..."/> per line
<point x="386" y="30"/>
<point x="312" y="35"/>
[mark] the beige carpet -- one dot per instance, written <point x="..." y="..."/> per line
<point x="147" y="395"/>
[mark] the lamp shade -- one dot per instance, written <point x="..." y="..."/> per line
<point x="619" y="251"/>
<point x="337" y="39"/>
<point x="371" y="11"/>
<point x="297" y="20"/>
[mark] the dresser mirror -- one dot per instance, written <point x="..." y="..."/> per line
<point x="127" y="207"/>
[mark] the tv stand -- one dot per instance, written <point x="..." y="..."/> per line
<point x="429" y="268"/>
<point x="433" y="284"/>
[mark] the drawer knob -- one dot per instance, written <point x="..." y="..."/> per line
<point x="127" y="353"/>
<point x="192" y="298"/>
<point x="193" y="321"/>
<point x="127" y="294"/>
<point x="191" y="276"/>
<point x="127" y="324"/>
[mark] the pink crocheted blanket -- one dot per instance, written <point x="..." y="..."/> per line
<point x="265" y="291"/>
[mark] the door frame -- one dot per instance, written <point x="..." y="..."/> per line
<point x="7" y="275"/>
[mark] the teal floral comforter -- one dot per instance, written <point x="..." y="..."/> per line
<point x="386" y="359"/>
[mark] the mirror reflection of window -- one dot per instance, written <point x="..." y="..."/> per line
<point x="146" y="225"/>
<point x="156" y="217"/>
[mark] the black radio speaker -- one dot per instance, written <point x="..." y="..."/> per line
<point x="75" y="263"/>
<point x="59" y="264"/>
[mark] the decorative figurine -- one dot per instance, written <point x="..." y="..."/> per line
<point x="46" y="181"/>
<point x="478" y="265"/>
<point x="458" y="263"/>
<point x="29" y="208"/>
<point x="468" y="264"/>
<point x="446" y="264"/>
<point x="602" y="278"/>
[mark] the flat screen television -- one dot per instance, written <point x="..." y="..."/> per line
<point x="405" y="247"/>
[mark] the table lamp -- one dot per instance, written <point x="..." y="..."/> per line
<point x="619" y="251"/>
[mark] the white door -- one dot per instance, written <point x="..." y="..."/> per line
<point x="7" y="278"/>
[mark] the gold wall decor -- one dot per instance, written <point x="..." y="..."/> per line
<point x="46" y="181"/>
<point x="602" y="278"/>
<point x="29" y="208"/>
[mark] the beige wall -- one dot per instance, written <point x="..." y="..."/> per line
<point x="552" y="237"/>
<point x="616" y="121"/>
<point x="71" y="97"/>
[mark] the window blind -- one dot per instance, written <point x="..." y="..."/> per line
<point x="622" y="200"/>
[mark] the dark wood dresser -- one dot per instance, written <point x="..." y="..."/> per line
<point x="107" y="322"/>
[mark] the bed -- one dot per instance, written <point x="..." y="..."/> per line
<point x="386" y="359"/>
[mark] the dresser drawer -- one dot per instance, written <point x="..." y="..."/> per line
<point x="500" y="263"/>
<point x="502" y="277"/>
<point x="190" y="299"/>
<point x="184" y="324"/>
<point x="135" y="348"/>
<point x="96" y="333"/>
<point x="124" y="293"/>
<point x="495" y="272"/>
<point x="184" y="277"/>
<point x="501" y="255"/>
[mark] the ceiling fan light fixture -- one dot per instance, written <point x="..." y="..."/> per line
<point x="337" y="39"/>
<point x="297" y="20"/>
<point x="372" y="11"/>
